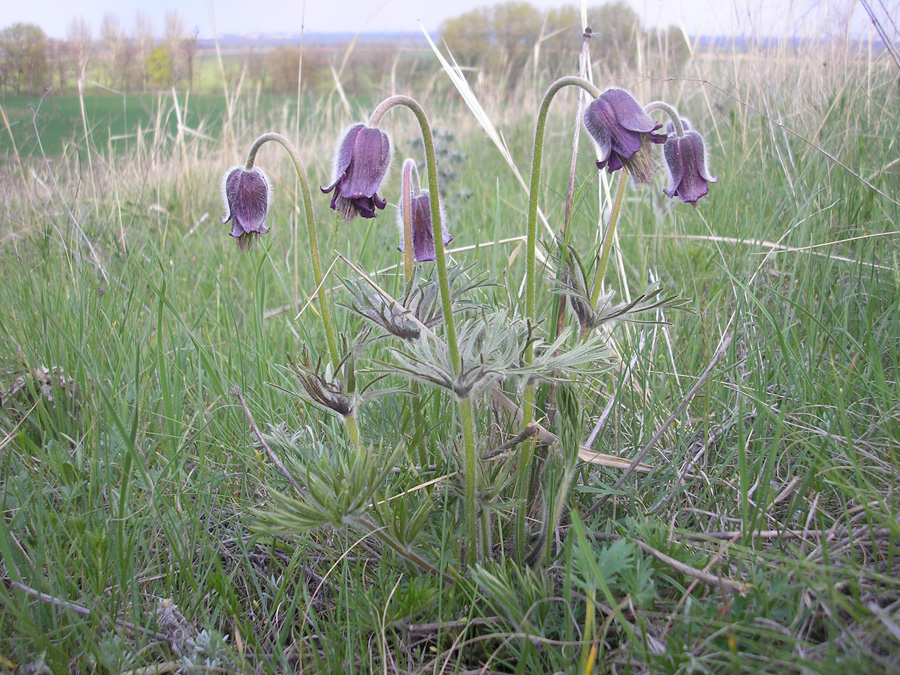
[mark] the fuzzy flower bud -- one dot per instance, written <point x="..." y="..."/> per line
<point x="686" y="163"/>
<point x="246" y="195"/>
<point x="419" y="216"/>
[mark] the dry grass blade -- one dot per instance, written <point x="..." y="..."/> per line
<point x="454" y="72"/>
<point x="693" y="572"/>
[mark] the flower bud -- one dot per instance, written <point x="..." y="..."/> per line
<point x="419" y="216"/>
<point x="246" y="195"/>
<point x="686" y="164"/>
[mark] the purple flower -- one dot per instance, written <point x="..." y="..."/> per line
<point x="360" y="163"/>
<point x="686" y="162"/>
<point x="623" y="132"/>
<point x="246" y="195"/>
<point x="422" y="231"/>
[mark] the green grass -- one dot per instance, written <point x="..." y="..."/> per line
<point x="147" y="483"/>
<point x="113" y="122"/>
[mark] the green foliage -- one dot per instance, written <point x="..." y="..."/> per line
<point x="23" y="59"/>
<point x="504" y="38"/>
<point x="159" y="67"/>
<point x="145" y="486"/>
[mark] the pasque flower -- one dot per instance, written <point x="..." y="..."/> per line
<point x="360" y="164"/>
<point x="246" y="194"/>
<point x="686" y="163"/>
<point x="419" y="216"/>
<point x="622" y="131"/>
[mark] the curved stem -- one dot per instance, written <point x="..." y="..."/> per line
<point x="440" y="257"/>
<point x="670" y="111"/>
<point x="530" y="246"/>
<point x="303" y="179"/>
<point x="466" y="416"/>
<point x="531" y="241"/>
<point x="608" y="238"/>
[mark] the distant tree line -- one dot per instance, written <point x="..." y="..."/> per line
<point x="506" y="37"/>
<point x="121" y="59"/>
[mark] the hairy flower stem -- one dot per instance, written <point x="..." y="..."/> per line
<point x="465" y="404"/>
<point x="311" y="230"/>
<point x="530" y="247"/>
<point x="608" y="238"/>
<point x="409" y="184"/>
<point x="670" y="111"/>
<point x="303" y="179"/>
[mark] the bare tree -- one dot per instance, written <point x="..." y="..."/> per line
<point x="173" y="36"/>
<point x="144" y="41"/>
<point x="80" y="41"/>
<point x="112" y="41"/>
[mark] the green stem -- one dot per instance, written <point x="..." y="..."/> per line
<point x="670" y="111"/>
<point x="408" y="183"/>
<point x="409" y="186"/>
<point x="303" y="179"/>
<point x="465" y="405"/>
<point x="440" y="257"/>
<point x="353" y="430"/>
<point x="470" y="468"/>
<point x="608" y="238"/>
<point x="530" y="247"/>
<point x="311" y="230"/>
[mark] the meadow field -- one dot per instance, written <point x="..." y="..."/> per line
<point x="146" y="388"/>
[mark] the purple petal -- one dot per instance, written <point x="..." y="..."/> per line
<point x="246" y="200"/>
<point x="344" y="152"/>
<point x="368" y="165"/>
<point x="686" y="161"/>
<point x="674" y="164"/>
<point x="628" y="112"/>
<point x="422" y="235"/>
<point x="597" y="120"/>
<point x="422" y="228"/>
<point x="697" y="143"/>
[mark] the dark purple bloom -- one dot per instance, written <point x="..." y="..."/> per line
<point x="422" y="231"/>
<point x="246" y="195"/>
<point x="361" y="161"/>
<point x="623" y="132"/>
<point x="686" y="162"/>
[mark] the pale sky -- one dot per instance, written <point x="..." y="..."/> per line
<point x="247" y="17"/>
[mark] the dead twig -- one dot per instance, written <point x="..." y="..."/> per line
<point x="84" y="611"/>
<point x="700" y="575"/>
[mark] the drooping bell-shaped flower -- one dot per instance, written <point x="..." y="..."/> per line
<point x="686" y="163"/>
<point x="623" y="132"/>
<point x="360" y="164"/>
<point x="422" y="231"/>
<point x="246" y="195"/>
<point x="420" y="216"/>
